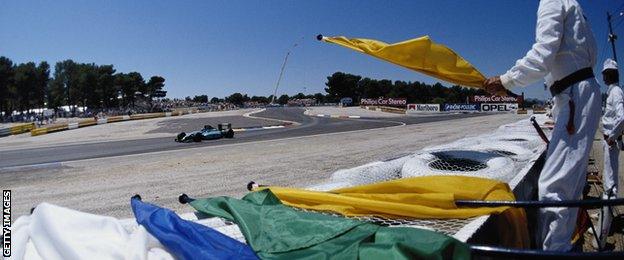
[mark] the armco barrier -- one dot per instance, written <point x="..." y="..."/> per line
<point x="39" y="131"/>
<point x="5" y="132"/>
<point x="112" y="119"/>
<point x="17" y="129"/>
<point x="89" y="122"/>
<point x="23" y="128"/>
<point x="393" y="110"/>
<point x="385" y="109"/>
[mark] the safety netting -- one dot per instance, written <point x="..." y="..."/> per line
<point x="444" y="226"/>
<point x="445" y="162"/>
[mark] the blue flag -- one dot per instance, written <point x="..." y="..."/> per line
<point x="186" y="239"/>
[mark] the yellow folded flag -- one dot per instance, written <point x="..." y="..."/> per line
<point x="420" y="54"/>
<point x="417" y="197"/>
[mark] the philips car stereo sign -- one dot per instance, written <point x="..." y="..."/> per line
<point x="393" y="102"/>
<point x="461" y="107"/>
<point x="496" y="99"/>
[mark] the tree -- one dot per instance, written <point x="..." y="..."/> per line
<point x="138" y="84"/>
<point x="283" y="99"/>
<point x="7" y="72"/>
<point x="340" y="85"/>
<point x="42" y="80"/>
<point x="320" y="98"/>
<point x="438" y="100"/>
<point x="129" y="84"/>
<point x="346" y="85"/>
<point x="215" y="100"/>
<point x="237" y="99"/>
<point x="63" y="84"/>
<point x="123" y="85"/>
<point x="155" y="83"/>
<point x="25" y="80"/>
<point x="87" y="92"/>
<point x="106" y="86"/>
<point x="201" y="99"/>
<point x="299" y="96"/>
<point x="260" y="99"/>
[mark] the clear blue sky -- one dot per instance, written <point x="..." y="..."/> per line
<point x="220" y="47"/>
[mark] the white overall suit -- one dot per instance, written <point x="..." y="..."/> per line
<point x="612" y="126"/>
<point x="564" y="44"/>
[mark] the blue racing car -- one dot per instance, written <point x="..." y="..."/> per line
<point x="207" y="133"/>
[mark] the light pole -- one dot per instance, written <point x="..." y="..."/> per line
<point x="612" y="36"/>
<point x="279" y="79"/>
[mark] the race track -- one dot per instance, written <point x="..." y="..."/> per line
<point x="308" y="126"/>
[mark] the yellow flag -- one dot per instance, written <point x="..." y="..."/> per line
<point x="420" y="54"/>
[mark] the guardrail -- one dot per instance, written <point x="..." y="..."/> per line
<point x="385" y="109"/>
<point x="112" y="119"/>
<point x="17" y="129"/>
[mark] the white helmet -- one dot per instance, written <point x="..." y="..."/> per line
<point x="610" y="64"/>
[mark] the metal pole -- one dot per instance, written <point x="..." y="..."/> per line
<point x="279" y="79"/>
<point x="280" y="76"/>
<point x="612" y="37"/>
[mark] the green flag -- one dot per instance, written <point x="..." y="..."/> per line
<point x="276" y="231"/>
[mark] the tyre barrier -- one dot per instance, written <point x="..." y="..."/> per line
<point x="463" y="162"/>
<point x="366" y="174"/>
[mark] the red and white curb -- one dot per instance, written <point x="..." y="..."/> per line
<point x="248" y="129"/>
<point x="333" y="116"/>
<point x="307" y="112"/>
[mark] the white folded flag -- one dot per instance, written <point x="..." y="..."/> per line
<point x="54" y="232"/>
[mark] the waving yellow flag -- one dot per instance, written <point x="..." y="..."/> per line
<point x="420" y="54"/>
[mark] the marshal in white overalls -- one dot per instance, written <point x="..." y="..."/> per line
<point x="612" y="126"/>
<point x="564" y="44"/>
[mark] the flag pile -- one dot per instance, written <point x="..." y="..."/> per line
<point x="277" y="223"/>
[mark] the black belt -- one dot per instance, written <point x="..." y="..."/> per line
<point x="576" y="77"/>
<point x="619" y="138"/>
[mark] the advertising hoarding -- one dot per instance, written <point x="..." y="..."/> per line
<point x="461" y="107"/>
<point x="391" y="102"/>
<point x="495" y="99"/>
<point x="499" y="107"/>
<point x="423" y="108"/>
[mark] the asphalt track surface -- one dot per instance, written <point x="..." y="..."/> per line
<point x="309" y="126"/>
